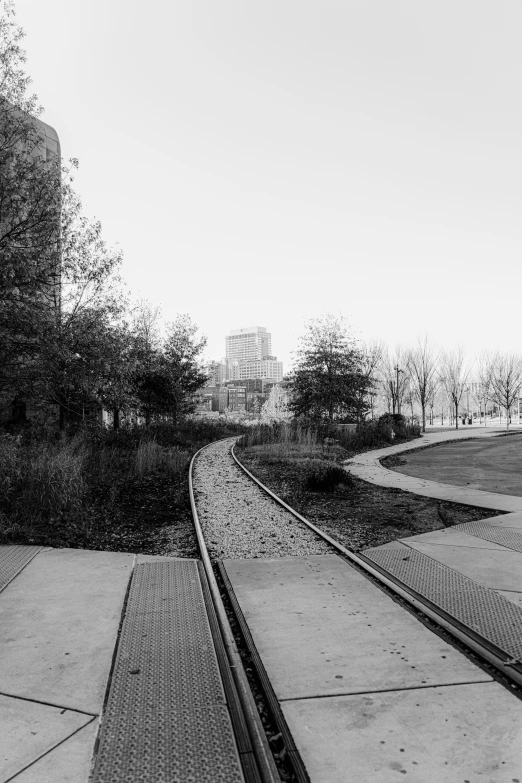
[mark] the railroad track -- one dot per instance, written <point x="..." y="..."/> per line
<point x="485" y="650"/>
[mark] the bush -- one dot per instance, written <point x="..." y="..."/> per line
<point x="323" y="476"/>
<point x="150" y="456"/>
<point x="51" y="481"/>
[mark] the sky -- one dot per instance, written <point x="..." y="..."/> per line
<point x="263" y="163"/>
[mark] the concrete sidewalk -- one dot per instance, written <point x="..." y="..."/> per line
<point x="60" y="617"/>
<point x="166" y="716"/>
<point x="367" y="467"/>
<point x="369" y="693"/>
<point x="488" y="552"/>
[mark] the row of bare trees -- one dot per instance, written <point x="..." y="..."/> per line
<point x="422" y="377"/>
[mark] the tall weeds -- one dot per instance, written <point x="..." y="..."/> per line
<point x="291" y="438"/>
<point x="150" y="456"/>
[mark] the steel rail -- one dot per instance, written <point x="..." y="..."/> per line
<point x="500" y="660"/>
<point x="266" y="764"/>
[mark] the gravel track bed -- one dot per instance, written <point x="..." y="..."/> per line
<point x="238" y="519"/>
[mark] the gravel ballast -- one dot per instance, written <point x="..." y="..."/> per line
<point x="238" y="519"/>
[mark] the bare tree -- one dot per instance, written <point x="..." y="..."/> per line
<point x="394" y="368"/>
<point x="481" y="389"/>
<point x="422" y="369"/>
<point x="372" y="353"/>
<point x="506" y="381"/>
<point x="453" y="377"/>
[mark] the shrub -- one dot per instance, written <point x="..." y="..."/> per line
<point x="51" y="482"/>
<point x="150" y="456"/>
<point x="10" y="466"/>
<point x="323" y="476"/>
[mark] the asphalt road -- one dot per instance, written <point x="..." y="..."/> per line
<point x="494" y="465"/>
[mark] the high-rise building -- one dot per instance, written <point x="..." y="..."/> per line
<point x="248" y="355"/>
<point x="248" y="344"/>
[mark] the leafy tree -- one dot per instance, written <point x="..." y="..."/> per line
<point x="276" y="408"/>
<point x="328" y="381"/>
<point x="169" y="372"/>
<point x="78" y="320"/>
<point x="29" y="210"/>
<point x="182" y="352"/>
<point x="150" y="379"/>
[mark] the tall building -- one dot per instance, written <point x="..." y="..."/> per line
<point x="251" y="343"/>
<point x="248" y="355"/>
<point x="262" y="368"/>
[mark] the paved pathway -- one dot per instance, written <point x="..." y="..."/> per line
<point x="166" y="717"/>
<point x="488" y="552"/>
<point x="367" y="466"/>
<point x="369" y="693"/>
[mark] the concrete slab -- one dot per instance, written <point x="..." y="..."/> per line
<point x="513" y="521"/>
<point x="452" y="537"/>
<point x="28" y="730"/>
<point x="60" y="620"/>
<point x="499" y="570"/>
<point x="515" y="597"/>
<point x="70" y="762"/>
<point x="435" y="735"/>
<point x="323" y="629"/>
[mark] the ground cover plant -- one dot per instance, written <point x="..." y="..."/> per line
<point x="302" y="465"/>
<point x="116" y="490"/>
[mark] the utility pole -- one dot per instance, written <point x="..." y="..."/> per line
<point x="397" y="370"/>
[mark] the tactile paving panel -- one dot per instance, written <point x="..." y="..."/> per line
<point x="484" y="611"/>
<point x="186" y="746"/>
<point x="13" y="559"/>
<point x="497" y="535"/>
<point x="166" y="717"/>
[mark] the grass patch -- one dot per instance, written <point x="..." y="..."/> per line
<point x="306" y="473"/>
<point x="123" y="490"/>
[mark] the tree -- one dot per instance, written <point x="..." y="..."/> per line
<point x="78" y="317"/>
<point x="421" y="363"/>
<point x="276" y="408"/>
<point x="30" y="202"/>
<point x="453" y="377"/>
<point x="150" y="379"/>
<point x="372" y="354"/>
<point x="481" y="390"/>
<point x="182" y="351"/>
<point x="394" y="370"/>
<point x="327" y="382"/>
<point x="506" y="381"/>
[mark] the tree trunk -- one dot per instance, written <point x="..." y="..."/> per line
<point x="456" y="415"/>
<point x="116" y="418"/>
<point x="423" y="418"/>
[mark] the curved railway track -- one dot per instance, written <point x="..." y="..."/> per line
<point x="499" y="663"/>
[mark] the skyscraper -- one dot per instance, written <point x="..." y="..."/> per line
<point x="249" y="355"/>
<point x="250" y="343"/>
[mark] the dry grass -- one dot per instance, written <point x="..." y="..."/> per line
<point x="150" y="456"/>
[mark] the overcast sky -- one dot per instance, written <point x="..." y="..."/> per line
<point x="265" y="162"/>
